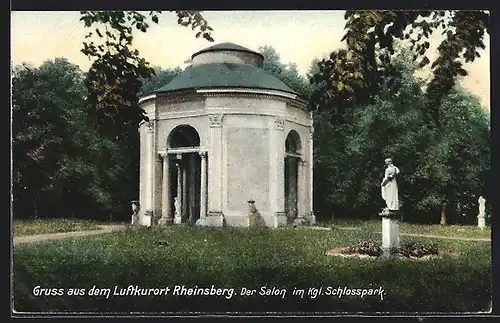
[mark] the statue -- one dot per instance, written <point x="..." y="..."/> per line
<point x="135" y="214"/>
<point x="177" y="207"/>
<point x="389" y="187"/>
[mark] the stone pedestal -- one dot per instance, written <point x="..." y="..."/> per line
<point x="214" y="219"/>
<point x="390" y="231"/>
<point x="481" y="218"/>
<point x="481" y="221"/>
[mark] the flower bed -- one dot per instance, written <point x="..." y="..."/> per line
<point x="413" y="250"/>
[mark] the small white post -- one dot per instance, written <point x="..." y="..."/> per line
<point x="481" y="218"/>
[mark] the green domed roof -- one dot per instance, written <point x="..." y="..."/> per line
<point x="225" y="47"/>
<point x="216" y="75"/>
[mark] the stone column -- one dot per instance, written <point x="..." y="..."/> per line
<point x="166" y="216"/>
<point x="302" y="186"/>
<point x="203" y="187"/>
<point x="293" y="169"/>
<point x="215" y="216"/>
<point x="277" y="173"/>
<point x="178" y="198"/>
<point x="310" y="180"/>
<point x="192" y="186"/>
<point x="148" y="198"/>
<point x="184" y="201"/>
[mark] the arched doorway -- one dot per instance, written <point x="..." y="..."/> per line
<point x="291" y="164"/>
<point x="183" y="144"/>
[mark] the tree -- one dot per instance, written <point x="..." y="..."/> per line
<point x="60" y="167"/>
<point x="440" y="167"/>
<point x="114" y="79"/>
<point x="458" y="164"/>
<point x="159" y="79"/>
<point x="371" y="36"/>
<point x="287" y="73"/>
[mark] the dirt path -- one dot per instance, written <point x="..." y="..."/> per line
<point x="412" y="234"/>
<point x="52" y="236"/>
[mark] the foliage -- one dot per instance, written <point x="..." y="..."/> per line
<point x="159" y="79"/>
<point x="287" y="73"/>
<point x="353" y="75"/>
<point x="117" y="77"/>
<point x="364" y="248"/>
<point x="60" y="166"/>
<point x="114" y="80"/>
<point x="446" y="165"/>
<point x="417" y="249"/>
<point x="409" y="249"/>
<point x="205" y="257"/>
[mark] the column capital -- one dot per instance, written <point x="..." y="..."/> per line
<point x="216" y="120"/>
<point x="149" y="126"/>
<point x="302" y="162"/>
<point x="163" y="154"/>
<point x="203" y="154"/>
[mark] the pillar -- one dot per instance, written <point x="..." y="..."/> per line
<point x="277" y="173"/>
<point x="184" y="201"/>
<point x="203" y="186"/>
<point x="166" y="216"/>
<point x="178" y="201"/>
<point x="303" y="189"/>
<point x="215" y="172"/>
<point x="310" y="179"/>
<point x="149" y="164"/>
<point x="192" y="186"/>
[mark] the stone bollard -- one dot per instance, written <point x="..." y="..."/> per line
<point x="390" y="231"/>
<point x="481" y="218"/>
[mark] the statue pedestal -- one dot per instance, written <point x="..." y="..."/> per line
<point x="390" y="231"/>
<point x="481" y="222"/>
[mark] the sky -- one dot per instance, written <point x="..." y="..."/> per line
<point x="298" y="37"/>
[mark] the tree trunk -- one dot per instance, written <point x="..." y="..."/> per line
<point x="35" y="207"/>
<point x="443" y="214"/>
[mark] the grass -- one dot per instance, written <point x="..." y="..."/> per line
<point x="457" y="231"/>
<point x="42" y="226"/>
<point x="236" y="258"/>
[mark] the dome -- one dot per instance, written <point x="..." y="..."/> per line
<point x="225" y="65"/>
<point x="225" y="75"/>
<point x="225" y="47"/>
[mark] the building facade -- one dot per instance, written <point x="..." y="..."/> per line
<point x="222" y="133"/>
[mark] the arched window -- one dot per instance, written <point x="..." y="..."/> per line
<point x="183" y="136"/>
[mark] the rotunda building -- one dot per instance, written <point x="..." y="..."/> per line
<point x="223" y="135"/>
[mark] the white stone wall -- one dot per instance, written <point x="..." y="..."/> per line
<point x="245" y="139"/>
<point x="245" y="165"/>
<point x="235" y="57"/>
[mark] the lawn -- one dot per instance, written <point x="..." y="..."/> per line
<point x="237" y="258"/>
<point x="42" y="226"/>
<point x="457" y="231"/>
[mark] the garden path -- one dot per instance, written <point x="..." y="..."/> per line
<point x="52" y="236"/>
